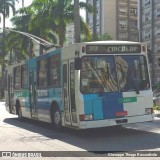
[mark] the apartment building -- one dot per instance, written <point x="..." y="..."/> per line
<point x="149" y="31"/>
<point x="119" y="18"/>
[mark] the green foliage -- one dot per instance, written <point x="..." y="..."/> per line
<point x="156" y="86"/>
<point x="104" y="37"/>
<point x="44" y="17"/>
<point x="155" y="107"/>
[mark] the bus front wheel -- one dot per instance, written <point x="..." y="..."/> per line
<point x="56" y="119"/>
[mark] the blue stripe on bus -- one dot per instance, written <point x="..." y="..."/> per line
<point x="43" y="103"/>
<point x="111" y="105"/>
<point x="88" y="104"/>
<point x="103" y="107"/>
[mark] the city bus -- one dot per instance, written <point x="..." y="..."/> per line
<point x="84" y="85"/>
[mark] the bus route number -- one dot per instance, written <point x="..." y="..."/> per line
<point x="93" y="48"/>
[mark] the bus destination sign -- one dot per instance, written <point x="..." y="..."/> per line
<point x="113" y="49"/>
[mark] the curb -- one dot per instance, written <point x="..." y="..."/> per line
<point x="157" y="115"/>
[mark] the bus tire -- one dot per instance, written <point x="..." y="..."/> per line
<point x="56" y="119"/>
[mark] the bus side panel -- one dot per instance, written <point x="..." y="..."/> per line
<point x="23" y="97"/>
<point x="7" y="101"/>
<point x="45" y="98"/>
<point x="43" y="105"/>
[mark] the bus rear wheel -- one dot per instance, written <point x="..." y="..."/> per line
<point x="56" y="119"/>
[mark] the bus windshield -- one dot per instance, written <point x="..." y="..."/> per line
<point x="111" y="73"/>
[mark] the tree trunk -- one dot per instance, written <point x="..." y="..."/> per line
<point x="22" y="3"/>
<point x="76" y="21"/>
<point x="3" y="64"/>
<point x="95" y="20"/>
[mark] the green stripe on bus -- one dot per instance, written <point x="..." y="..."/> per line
<point x="128" y="100"/>
<point x="21" y="93"/>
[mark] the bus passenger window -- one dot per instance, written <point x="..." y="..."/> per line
<point x="24" y="76"/>
<point x="42" y="73"/>
<point x="54" y="71"/>
<point x="17" y="78"/>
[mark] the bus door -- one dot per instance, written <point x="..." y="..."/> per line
<point x="69" y="103"/>
<point x="10" y="92"/>
<point x="32" y="95"/>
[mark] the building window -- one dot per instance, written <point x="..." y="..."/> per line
<point x="148" y="16"/>
<point x="158" y="12"/>
<point x="133" y="11"/>
<point x="158" y="30"/>
<point x="147" y="2"/>
<point x="147" y="33"/>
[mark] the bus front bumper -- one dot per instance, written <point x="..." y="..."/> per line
<point x="115" y="122"/>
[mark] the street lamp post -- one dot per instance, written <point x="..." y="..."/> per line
<point x="34" y="38"/>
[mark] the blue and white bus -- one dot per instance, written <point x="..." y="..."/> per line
<point x="85" y="85"/>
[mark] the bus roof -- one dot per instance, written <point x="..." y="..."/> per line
<point x="112" y="42"/>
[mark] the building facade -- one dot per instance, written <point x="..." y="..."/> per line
<point x="119" y="18"/>
<point x="149" y="31"/>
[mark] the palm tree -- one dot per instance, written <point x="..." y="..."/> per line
<point x="5" y="11"/>
<point x="5" y="7"/>
<point x="48" y="16"/>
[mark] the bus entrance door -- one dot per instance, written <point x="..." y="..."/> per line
<point x="69" y="103"/>
<point x="10" y="92"/>
<point x="32" y="96"/>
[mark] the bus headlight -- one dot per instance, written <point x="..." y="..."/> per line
<point x="148" y="110"/>
<point x="85" y="117"/>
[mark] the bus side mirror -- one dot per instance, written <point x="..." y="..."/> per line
<point x="78" y="63"/>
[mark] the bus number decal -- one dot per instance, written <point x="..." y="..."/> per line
<point x="93" y="48"/>
<point x="42" y="93"/>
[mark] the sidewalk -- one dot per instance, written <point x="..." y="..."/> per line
<point x="156" y="113"/>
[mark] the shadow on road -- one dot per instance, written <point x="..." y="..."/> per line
<point x="101" y="139"/>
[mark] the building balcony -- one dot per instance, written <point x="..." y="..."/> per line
<point x="122" y="13"/>
<point x="133" y="17"/>
<point x="122" y="2"/>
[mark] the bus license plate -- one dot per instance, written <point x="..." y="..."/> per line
<point x="121" y="121"/>
<point x="120" y="114"/>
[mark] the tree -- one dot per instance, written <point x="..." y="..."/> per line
<point x="104" y="37"/>
<point x="5" y="11"/>
<point x="6" y="5"/>
<point x="47" y="17"/>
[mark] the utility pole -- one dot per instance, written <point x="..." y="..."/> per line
<point x="76" y="22"/>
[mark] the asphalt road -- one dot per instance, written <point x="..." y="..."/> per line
<point x="31" y="136"/>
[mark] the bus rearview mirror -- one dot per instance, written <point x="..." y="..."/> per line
<point x="78" y="63"/>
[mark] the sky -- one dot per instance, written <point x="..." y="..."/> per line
<point x="27" y="3"/>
